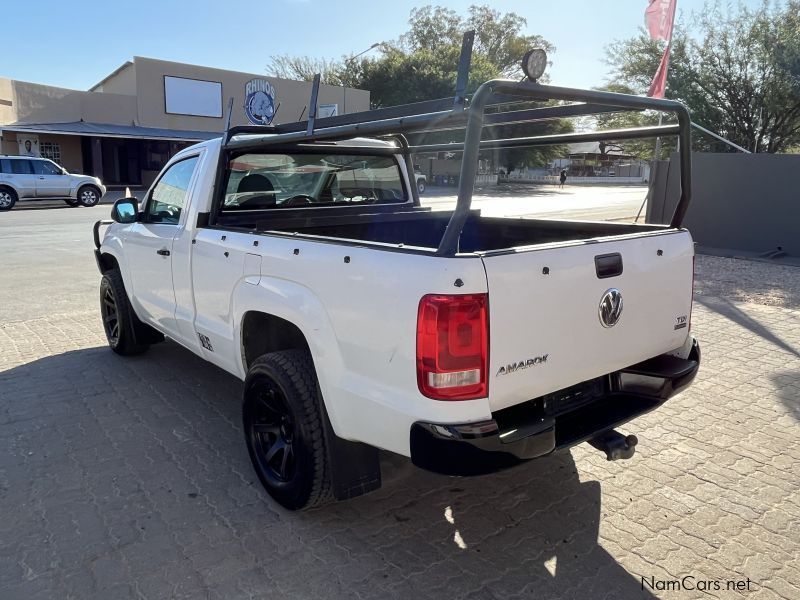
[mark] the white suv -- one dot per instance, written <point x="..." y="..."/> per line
<point x="25" y="178"/>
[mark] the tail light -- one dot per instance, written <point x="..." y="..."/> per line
<point x="453" y="346"/>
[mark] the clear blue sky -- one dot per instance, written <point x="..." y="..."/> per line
<point x="75" y="44"/>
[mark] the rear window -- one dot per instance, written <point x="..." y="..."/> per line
<point x="21" y="167"/>
<point x="299" y="180"/>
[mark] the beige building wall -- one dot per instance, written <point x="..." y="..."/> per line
<point x="293" y="96"/>
<point x="37" y="103"/>
<point x="121" y="81"/>
<point x="7" y="108"/>
<point x="134" y="95"/>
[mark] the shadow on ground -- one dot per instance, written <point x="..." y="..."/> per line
<point x="787" y="384"/>
<point x="728" y="309"/>
<point x="132" y="474"/>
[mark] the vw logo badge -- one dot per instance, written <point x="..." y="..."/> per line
<point x="610" y="307"/>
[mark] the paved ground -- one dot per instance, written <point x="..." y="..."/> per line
<point x="129" y="478"/>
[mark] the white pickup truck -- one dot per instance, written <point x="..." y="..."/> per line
<point x="299" y="259"/>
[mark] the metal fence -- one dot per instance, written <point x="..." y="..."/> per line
<point x="741" y="202"/>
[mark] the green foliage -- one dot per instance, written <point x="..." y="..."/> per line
<point x="737" y="70"/>
<point x="643" y="149"/>
<point x="423" y="65"/>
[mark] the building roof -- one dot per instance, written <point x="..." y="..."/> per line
<point x="112" y="130"/>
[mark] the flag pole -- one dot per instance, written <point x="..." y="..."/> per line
<point x="665" y="61"/>
<point x="657" y="153"/>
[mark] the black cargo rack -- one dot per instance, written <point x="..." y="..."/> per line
<point x="461" y="112"/>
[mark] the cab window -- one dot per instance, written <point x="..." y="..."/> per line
<point x="277" y="180"/>
<point x="168" y="198"/>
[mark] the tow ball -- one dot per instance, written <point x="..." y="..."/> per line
<point x="615" y="445"/>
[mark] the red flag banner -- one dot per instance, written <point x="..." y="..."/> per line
<point x="659" y="17"/>
<point x="659" y="83"/>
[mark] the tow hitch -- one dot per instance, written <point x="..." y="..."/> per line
<point x="615" y="445"/>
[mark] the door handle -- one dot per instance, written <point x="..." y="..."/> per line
<point x="163" y="252"/>
<point x="41" y="176"/>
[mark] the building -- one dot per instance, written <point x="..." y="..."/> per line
<point x="127" y="126"/>
<point x="589" y="159"/>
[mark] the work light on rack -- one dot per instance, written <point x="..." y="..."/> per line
<point x="534" y="63"/>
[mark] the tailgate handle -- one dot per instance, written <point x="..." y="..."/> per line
<point x="608" y="265"/>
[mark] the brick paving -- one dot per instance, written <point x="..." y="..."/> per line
<point x="129" y="478"/>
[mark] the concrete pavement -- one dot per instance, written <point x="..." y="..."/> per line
<point x="584" y="202"/>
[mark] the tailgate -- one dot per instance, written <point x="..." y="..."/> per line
<point x="545" y="327"/>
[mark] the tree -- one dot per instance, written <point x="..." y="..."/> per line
<point x="423" y="63"/>
<point x="737" y="70"/>
<point x="643" y="149"/>
<point x="304" y="68"/>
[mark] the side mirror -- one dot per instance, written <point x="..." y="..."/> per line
<point x="125" y="210"/>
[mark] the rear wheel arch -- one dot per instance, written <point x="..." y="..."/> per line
<point x="262" y="333"/>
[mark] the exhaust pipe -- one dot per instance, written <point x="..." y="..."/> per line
<point x="615" y="445"/>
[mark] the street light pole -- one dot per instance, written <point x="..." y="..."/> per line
<point x="346" y="62"/>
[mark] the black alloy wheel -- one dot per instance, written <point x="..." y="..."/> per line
<point x="284" y="429"/>
<point x="125" y="333"/>
<point x="271" y="431"/>
<point x="108" y="310"/>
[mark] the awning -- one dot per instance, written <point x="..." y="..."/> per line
<point x="112" y="131"/>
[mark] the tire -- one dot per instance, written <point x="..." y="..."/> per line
<point x="8" y="198"/>
<point x="283" y="428"/>
<point x="421" y="187"/>
<point x="88" y="196"/>
<point x="125" y="333"/>
<point x="72" y="202"/>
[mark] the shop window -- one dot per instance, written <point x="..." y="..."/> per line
<point x="51" y="150"/>
<point x="156" y="155"/>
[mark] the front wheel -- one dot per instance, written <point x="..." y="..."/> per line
<point x="88" y="196"/>
<point x="283" y="427"/>
<point x="120" y="323"/>
<point x="8" y="198"/>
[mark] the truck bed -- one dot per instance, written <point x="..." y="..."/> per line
<point x="423" y="228"/>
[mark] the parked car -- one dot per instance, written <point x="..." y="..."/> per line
<point x="358" y="319"/>
<point x="421" y="181"/>
<point x="29" y="178"/>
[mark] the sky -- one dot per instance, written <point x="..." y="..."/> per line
<point x="76" y="43"/>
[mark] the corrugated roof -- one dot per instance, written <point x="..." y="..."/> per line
<point x="112" y="130"/>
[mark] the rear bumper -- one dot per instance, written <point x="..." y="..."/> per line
<point x="531" y="429"/>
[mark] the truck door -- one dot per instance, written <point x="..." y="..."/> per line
<point x="149" y="245"/>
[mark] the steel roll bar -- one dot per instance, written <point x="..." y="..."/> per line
<point x="535" y="91"/>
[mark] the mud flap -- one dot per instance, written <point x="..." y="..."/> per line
<point x="355" y="468"/>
